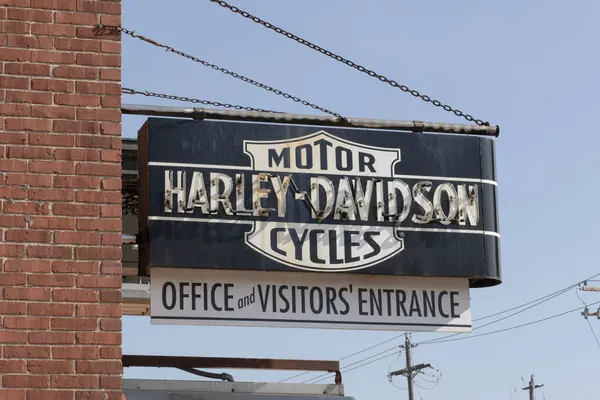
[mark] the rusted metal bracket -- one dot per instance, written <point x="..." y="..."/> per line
<point x="191" y="363"/>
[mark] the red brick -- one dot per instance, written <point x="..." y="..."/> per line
<point x="113" y="324"/>
<point x="99" y="310"/>
<point x="99" y="367"/>
<point x="110" y="74"/>
<point x="26" y="381"/>
<point x="21" y="124"/>
<point x="53" y="30"/>
<point x="51" y="395"/>
<point x="76" y="155"/>
<point x="77" y="267"/>
<point x="98" y="114"/>
<point x="27" y="351"/>
<point x="16" y="3"/>
<point x="51" y="280"/>
<point x="26" y="207"/>
<point x="15" y="27"/>
<point x="111" y="184"/>
<point x="14" y="82"/>
<point x="22" y="14"/>
<point x="28" y="236"/>
<point x="76" y="18"/>
<point x="13" y="394"/>
<point x="76" y="72"/>
<point x="12" y="193"/>
<point x="77" y="44"/>
<point x="78" y="182"/>
<point x="110" y="296"/>
<point x="27" y="293"/>
<point x="77" y="127"/>
<point x="51" y="309"/>
<point x="49" y="251"/>
<point x="52" y="85"/>
<point x="111" y="211"/>
<point x="51" y="167"/>
<point x="13" y="308"/>
<point x="31" y="266"/>
<point x="55" y="4"/>
<point x="13" y="166"/>
<point x="114" y="239"/>
<point x="99" y="142"/>
<point x="29" y="323"/>
<point x="31" y="42"/>
<point x="86" y="238"/>
<point x="111" y="352"/>
<point x="99" y="225"/>
<point x="74" y="381"/>
<point x="13" y="137"/>
<point x="50" y="367"/>
<point x="75" y="352"/>
<point x="54" y="112"/>
<point x="18" y="96"/>
<point x="15" y="109"/>
<point x="98" y="253"/>
<point x="8" y="54"/>
<point x="111" y="101"/>
<point x="52" y="194"/>
<point x="110" y="19"/>
<point x="99" y="197"/>
<point x="98" y="338"/>
<point x="102" y="60"/>
<point x="27" y="69"/>
<point x="12" y="250"/>
<point x="14" y="366"/>
<point x="91" y="281"/>
<point x="79" y="100"/>
<point x="29" y="180"/>
<point x="99" y="88"/>
<point x="104" y="7"/>
<point x="110" y="129"/>
<point x="111" y="48"/>
<point x="74" y="324"/>
<point x="52" y="223"/>
<point x="54" y="57"/>
<point x="111" y="382"/>
<point x="80" y="210"/>
<point x="75" y="295"/>
<point x="38" y="153"/>
<point x="51" y="337"/>
<point x="7" y="336"/>
<point x="60" y="140"/>
<point x="99" y="169"/>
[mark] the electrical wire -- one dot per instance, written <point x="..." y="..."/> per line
<point x="537" y="301"/>
<point x="356" y="367"/>
<point x="588" y="321"/>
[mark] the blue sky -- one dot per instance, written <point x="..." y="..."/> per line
<point x="530" y="67"/>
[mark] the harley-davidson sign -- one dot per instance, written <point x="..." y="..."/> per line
<point x="228" y="195"/>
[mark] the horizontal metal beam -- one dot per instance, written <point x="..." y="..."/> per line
<point x="300" y="119"/>
<point x="235" y="363"/>
<point x="590" y="289"/>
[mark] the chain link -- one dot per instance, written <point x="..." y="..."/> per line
<point x="217" y="68"/>
<point x="352" y="64"/>
<point x="197" y="101"/>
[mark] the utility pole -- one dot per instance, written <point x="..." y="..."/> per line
<point x="411" y="370"/>
<point x="531" y="387"/>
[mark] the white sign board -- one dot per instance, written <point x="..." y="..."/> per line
<point x="309" y="300"/>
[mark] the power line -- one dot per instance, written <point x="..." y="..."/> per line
<point x="452" y="340"/>
<point x="192" y="100"/>
<point x="349" y="63"/>
<point x="115" y="28"/>
<point x="585" y="314"/>
<point x="537" y="302"/>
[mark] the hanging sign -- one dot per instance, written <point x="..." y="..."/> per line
<point x="309" y="300"/>
<point x="247" y="196"/>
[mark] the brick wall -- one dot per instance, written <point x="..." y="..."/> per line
<point x="60" y="218"/>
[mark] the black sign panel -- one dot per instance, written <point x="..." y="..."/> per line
<point x="231" y="195"/>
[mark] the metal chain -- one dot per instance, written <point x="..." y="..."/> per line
<point x="197" y="101"/>
<point x="352" y="64"/>
<point x="217" y="68"/>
